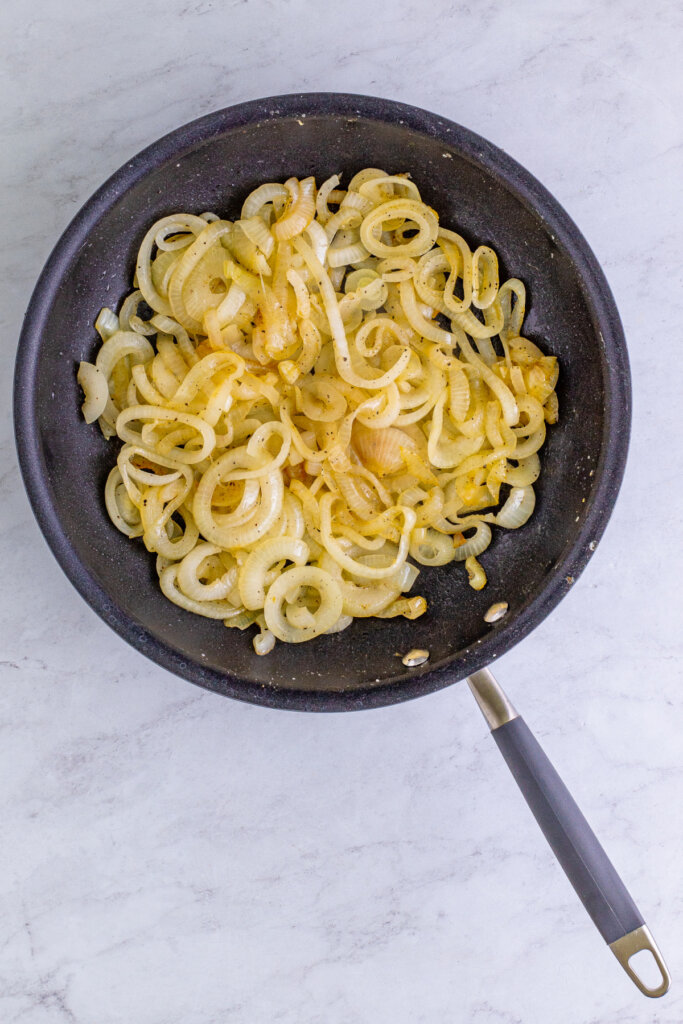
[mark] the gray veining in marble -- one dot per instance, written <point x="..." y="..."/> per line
<point x="169" y="857"/>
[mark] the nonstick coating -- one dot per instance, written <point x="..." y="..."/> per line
<point x="211" y="164"/>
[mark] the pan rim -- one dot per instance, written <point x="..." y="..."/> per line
<point x="617" y="400"/>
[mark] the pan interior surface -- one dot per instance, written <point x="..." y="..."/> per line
<point x="65" y="462"/>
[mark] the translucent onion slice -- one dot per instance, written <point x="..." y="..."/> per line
<point x="253" y="573"/>
<point x="139" y="413"/>
<point x="340" y="255"/>
<point x="107" y="323"/>
<point x="475" y="572"/>
<point x="122" y="512"/>
<point x="218" y="529"/>
<point x="418" y="321"/>
<point x="262" y="195"/>
<point x="500" y="389"/>
<point x="190" y="261"/>
<point x="264" y="641"/>
<point x="526" y="472"/>
<point x="342" y="355"/>
<point x="156" y="512"/>
<point x="143" y="271"/>
<point x="95" y="390"/>
<point x="408" y="607"/>
<point x="382" y="450"/>
<point x="484" y="277"/>
<point x="342" y="623"/>
<point x="351" y="565"/>
<point x="377" y="189"/>
<point x="475" y="544"/>
<point x="257" y="233"/>
<point x="364" y="599"/>
<point x="412" y="211"/>
<point x="300" y="212"/>
<point x="430" y="547"/>
<point x="286" y="589"/>
<point x="246" y="252"/>
<point x="323" y="211"/>
<point x="318" y="239"/>
<point x="189" y="571"/>
<point x="513" y="312"/>
<point x="458" y="394"/>
<point x="168" y="580"/>
<point x="205" y="286"/>
<point x="517" y="509"/>
<point x="119" y="346"/>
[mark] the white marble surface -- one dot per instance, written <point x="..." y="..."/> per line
<point x="170" y="857"/>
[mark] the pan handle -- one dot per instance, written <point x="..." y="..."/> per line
<point x="571" y="838"/>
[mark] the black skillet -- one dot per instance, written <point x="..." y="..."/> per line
<point x="211" y="164"/>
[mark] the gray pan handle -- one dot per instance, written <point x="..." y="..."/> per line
<point x="571" y="838"/>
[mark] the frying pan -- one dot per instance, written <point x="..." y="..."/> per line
<point x="211" y="164"/>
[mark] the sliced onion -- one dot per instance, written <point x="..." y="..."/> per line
<point x="477" y="576"/>
<point x="107" y="323"/>
<point x="339" y="256"/>
<point x="499" y="388"/>
<point x="526" y="472"/>
<point x="95" y="390"/>
<point x="122" y="512"/>
<point x="301" y="211"/>
<point x="319" y="240"/>
<point x="476" y="544"/>
<point x="189" y="571"/>
<point x="267" y="552"/>
<point x="431" y="547"/>
<point x="322" y="209"/>
<point x="168" y="581"/>
<point x="257" y="233"/>
<point x="120" y="345"/>
<point x="286" y="588"/>
<point x="412" y="211"/>
<point x="257" y="199"/>
<point x="484" y="277"/>
<point x="342" y="623"/>
<point x="517" y="509"/>
<point x="265" y="641"/>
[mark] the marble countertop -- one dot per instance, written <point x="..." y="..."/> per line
<point x="171" y="857"/>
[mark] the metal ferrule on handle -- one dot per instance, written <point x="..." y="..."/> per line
<point x="571" y="838"/>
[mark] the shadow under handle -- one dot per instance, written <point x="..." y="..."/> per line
<point x="571" y="838"/>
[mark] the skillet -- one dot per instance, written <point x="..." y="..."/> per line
<point x="211" y="164"/>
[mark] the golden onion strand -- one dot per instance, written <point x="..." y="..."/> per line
<point x="319" y="395"/>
